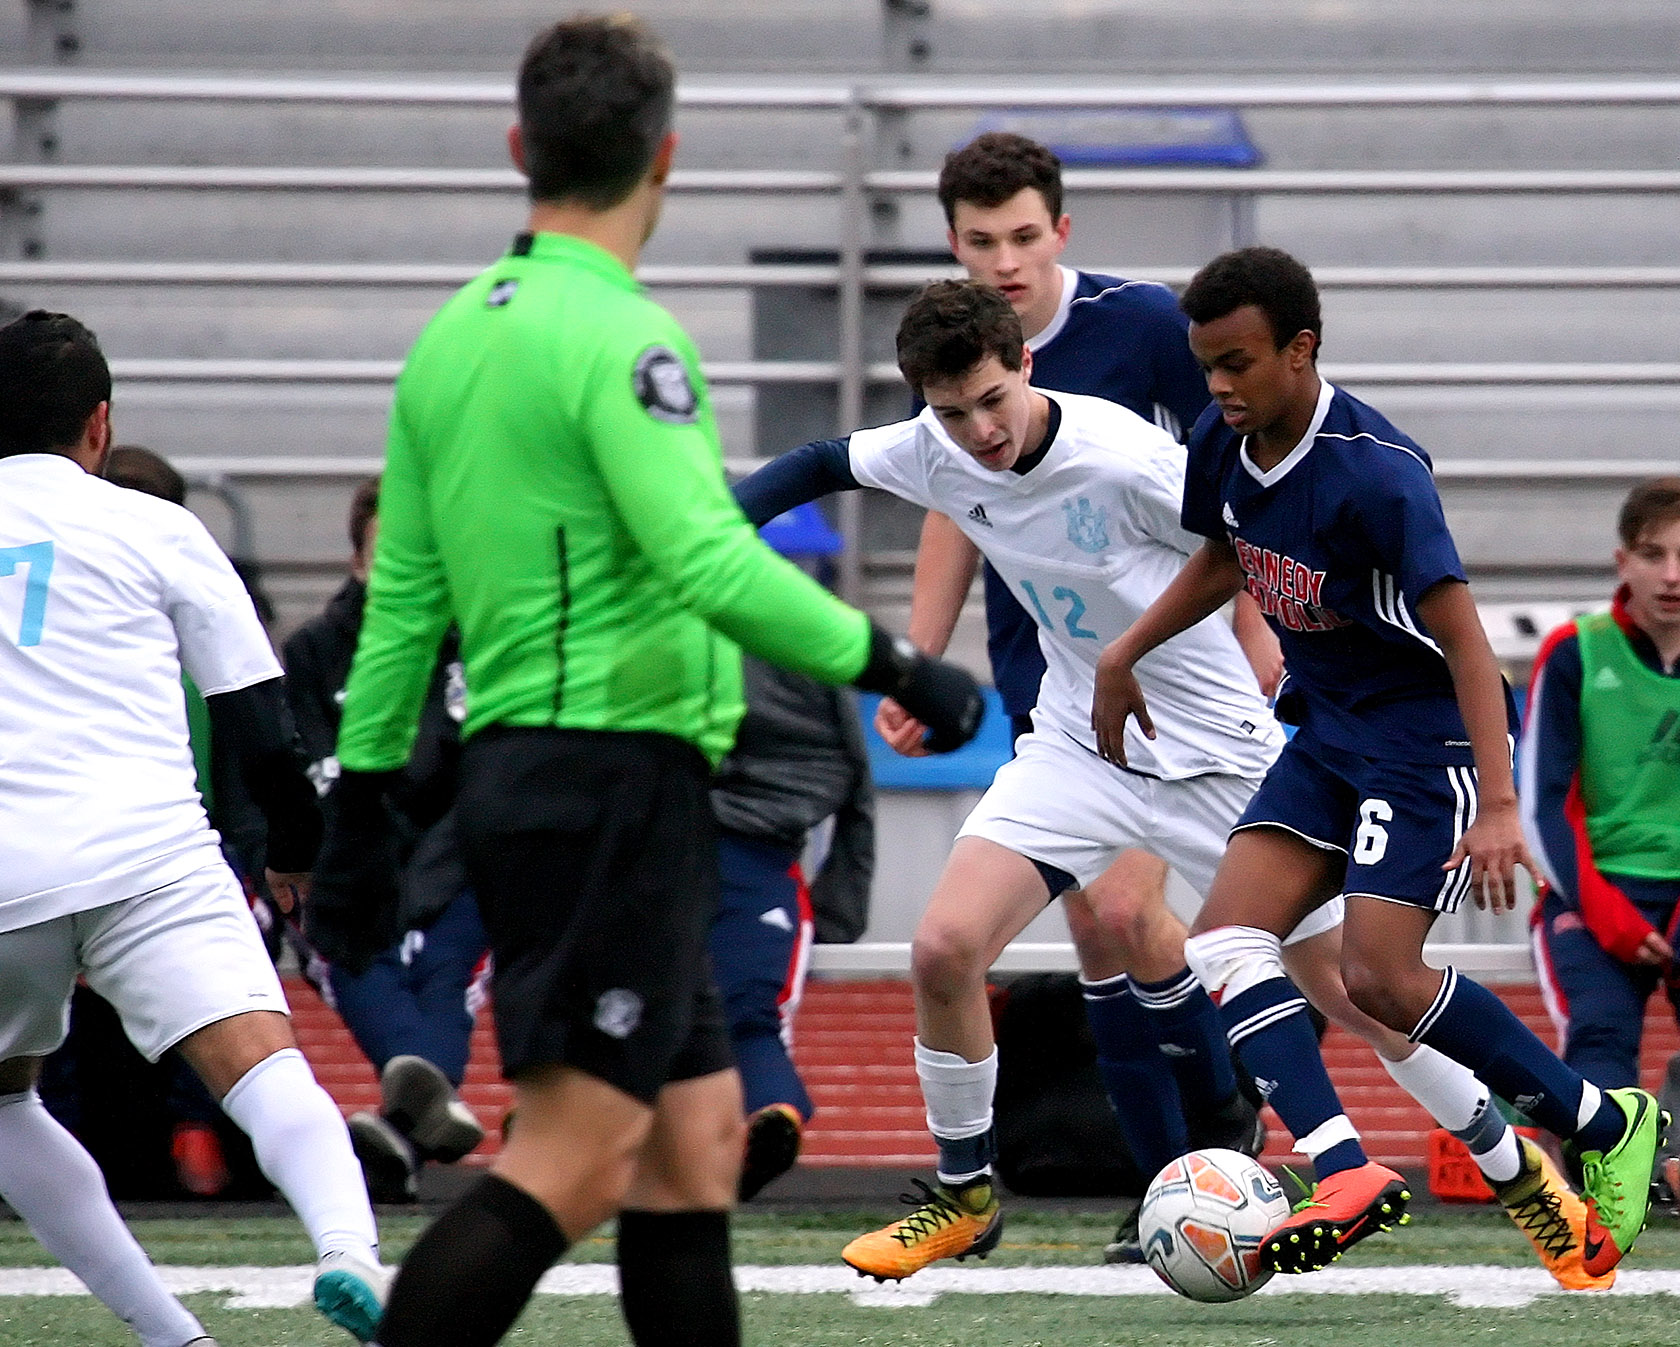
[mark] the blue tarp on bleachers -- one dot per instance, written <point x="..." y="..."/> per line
<point x="1189" y="137"/>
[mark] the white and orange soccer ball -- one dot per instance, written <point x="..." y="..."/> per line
<point x="1203" y="1220"/>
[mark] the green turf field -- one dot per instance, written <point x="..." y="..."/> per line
<point x="1074" y="1307"/>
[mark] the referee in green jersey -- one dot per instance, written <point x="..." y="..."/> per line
<point x="554" y="486"/>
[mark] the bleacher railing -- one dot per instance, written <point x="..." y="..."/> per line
<point x="856" y="184"/>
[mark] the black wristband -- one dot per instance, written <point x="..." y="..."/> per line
<point x="891" y="658"/>
<point x="360" y="793"/>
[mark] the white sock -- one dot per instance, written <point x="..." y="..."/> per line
<point x="1460" y="1102"/>
<point x="1592" y="1099"/>
<point x="304" y="1149"/>
<point x="52" y="1182"/>
<point x="958" y="1094"/>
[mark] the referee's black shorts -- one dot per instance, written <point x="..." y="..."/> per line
<point x="594" y="857"/>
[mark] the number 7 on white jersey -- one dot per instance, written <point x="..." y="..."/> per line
<point x="37" y="559"/>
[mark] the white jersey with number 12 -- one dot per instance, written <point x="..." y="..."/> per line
<point x="1086" y="540"/>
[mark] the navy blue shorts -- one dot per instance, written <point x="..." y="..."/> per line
<point x="1396" y="822"/>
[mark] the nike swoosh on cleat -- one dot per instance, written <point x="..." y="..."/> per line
<point x="1348" y="1232"/>
<point x="1639" y="1117"/>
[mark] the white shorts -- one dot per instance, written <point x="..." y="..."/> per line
<point x="1057" y="803"/>
<point x="171" y="961"/>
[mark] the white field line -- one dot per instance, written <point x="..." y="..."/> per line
<point x="1466" y="1287"/>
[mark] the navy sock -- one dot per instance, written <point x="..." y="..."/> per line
<point x="1137" y="1077"/>
<point x="1192" y="1037"/>
<point x="1272" y="1034"/>
<point x="1471" y="1025"/>
<point x="676" y="1288"/>
<point x="966" y="1156"/>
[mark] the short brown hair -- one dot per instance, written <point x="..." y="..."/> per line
<point x="595" y="99"/>
<point x="952" y="326"/>
<point x="993" y="167"/>
<point x="1649" y="505"/>
<point x="364" y="505"/>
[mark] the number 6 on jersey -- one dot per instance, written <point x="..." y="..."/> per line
<point x="37" y="560"/>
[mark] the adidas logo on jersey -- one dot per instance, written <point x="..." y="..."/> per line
<point x="1605" y="680"/>
<point x="978" y="515"/>
<point x="1228" y="516"/>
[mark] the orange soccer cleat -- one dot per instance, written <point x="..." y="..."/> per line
<point x="947" y="1223"/>
<point x="1342" y="1210"/>
<point x="1552" y="1218"/>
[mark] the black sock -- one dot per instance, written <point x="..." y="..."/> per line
<point x="676" y="1286"/>
<point x="467" y="1278"/>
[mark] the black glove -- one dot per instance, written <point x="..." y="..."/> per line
<point x="289" y="803"/>
<point x="351" y="914"/>
<point x="941" y="695"/>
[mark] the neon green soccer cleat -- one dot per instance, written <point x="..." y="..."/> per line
<point x="1617" y="1183"/>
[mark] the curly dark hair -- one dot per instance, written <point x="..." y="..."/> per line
<point x="139" y="469"/>
<point x="1268" y="278"/>
<point x="993" y="167"/>
<point x="951" y="326"/>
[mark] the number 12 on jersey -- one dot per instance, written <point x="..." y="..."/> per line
<point x="1070" y="617"/>
<point x="36" y="560"/>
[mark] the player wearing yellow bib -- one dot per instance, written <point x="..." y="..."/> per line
<point x="554" y="486"/>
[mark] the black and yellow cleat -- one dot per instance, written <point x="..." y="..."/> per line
<point x="1342" y="1210"/>
<point x="958" y="1223"/>
<point x="1551" y="1217"/>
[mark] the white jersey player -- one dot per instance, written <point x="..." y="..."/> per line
<point x="109" y="869"/>
<point x="1084" y="529"/>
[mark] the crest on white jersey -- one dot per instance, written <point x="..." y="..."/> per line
<point x="1087" y="524"/>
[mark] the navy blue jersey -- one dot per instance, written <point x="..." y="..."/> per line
<point x="1126" y="342"/>
<point x="1339" y="541"/>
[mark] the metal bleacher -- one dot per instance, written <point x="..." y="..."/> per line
<point x="257" y="246"/>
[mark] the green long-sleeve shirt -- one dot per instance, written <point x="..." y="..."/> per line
<point x="554" y="485"/>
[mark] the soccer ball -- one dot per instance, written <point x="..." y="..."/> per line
<point x="1202" y="1222"/>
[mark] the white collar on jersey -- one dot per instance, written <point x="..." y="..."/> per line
<point x="1053" y="329"/>
<point x="1282" y="469"/>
